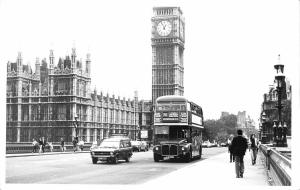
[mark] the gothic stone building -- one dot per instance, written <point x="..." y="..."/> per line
<point x="46" y="102"/>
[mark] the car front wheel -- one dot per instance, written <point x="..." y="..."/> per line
<point x="127" y="159"/>
<point x="115" y="160"/>
<point x="94" y="160"/>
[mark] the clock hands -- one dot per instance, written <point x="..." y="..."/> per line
<point x="164" y="25"/>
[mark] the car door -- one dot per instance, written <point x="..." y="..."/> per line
<point x="122" y="150"/>
<point x="128" y="148"/>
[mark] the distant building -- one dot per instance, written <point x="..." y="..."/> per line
<point x="245" y="123"/>
<point x="146" y="119"/>
<point x="241" y="120"/>
<point x="46" y="102"/>
<point x="224" y="114"/>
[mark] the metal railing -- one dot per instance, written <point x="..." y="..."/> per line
<point x="278" y="166"/>
<point x="17" y="148"/>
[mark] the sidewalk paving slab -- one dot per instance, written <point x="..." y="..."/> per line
<point x="215" y="171"/>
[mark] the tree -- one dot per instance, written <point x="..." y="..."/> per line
<point x="220" y="129"/>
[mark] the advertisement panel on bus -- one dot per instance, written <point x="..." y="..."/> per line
<point x="195" y="119"/>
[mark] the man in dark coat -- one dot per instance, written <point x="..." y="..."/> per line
<point x="239" y="146"/>
<point x="43" y="144"/>
<point x="75" y="141"/>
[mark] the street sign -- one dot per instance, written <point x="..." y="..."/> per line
<point x="144" y="134"/>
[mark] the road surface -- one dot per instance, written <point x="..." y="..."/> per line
<point x="77" y="168"/>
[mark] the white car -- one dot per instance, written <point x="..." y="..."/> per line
<point x="206" y="144"/>
<point x="144" y="146"/>
<point x="136" y="146"/>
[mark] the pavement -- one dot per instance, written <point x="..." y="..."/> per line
<point x="215" y="171"/>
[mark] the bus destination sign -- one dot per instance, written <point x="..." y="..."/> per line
<point x="171" y="117"/>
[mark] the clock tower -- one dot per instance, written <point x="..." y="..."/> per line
<point x="167" y="51"/>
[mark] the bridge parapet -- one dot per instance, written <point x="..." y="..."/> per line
<point x="16" y="148"/>
<point x="278" y="164"/>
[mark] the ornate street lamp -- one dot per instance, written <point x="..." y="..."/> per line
<point x="259" y="131"/>
<point x="75" y="123"/>
<point x="279" y="77"/>
<point x="263" y="135"/>
<point x="275" y="132"/>
<point x="284" y="132"/>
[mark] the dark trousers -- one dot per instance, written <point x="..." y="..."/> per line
<point x="34" y="148"/>
<point x="231" y="157"/>
<point x="253" y="155"/>
<point x="239" y="165"/>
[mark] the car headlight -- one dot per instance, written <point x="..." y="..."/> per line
<point x="111" y="153"/>
<point x="182" y="148"/>
<point x="93" y="153"/>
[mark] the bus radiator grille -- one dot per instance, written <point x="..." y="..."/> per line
<point x="173" y="150"/>
<point x="165" y="150"/>
<point x="169" y="150"/>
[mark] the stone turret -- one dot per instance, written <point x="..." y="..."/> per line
<point x="37" y="67"/>
<point x="19" y="63"/>
<point x="88" y="64"/>
<point x="73" y="58"/>
<point x="51" y="58"/>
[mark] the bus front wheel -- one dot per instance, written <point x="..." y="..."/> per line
<point x="200" y="153"/>
<point x="188" y="157"/>
<point x="156" y="157"/>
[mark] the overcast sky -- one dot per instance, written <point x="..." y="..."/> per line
<point x="230" y="49"/>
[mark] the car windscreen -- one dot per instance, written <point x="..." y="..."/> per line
<point x="110" y="144"/>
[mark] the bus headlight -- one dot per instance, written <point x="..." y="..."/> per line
<point x="156" y="148"/>
<point x="182" y="148"/>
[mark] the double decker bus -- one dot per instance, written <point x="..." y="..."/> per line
<point x="178" y="125"/>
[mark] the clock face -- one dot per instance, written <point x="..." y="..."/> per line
<point x="181" y="30"/>
<point x="164" y="28"/>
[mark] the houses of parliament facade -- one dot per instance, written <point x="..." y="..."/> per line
<point x="46" y="102"/>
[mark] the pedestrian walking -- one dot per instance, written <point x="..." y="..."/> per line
<point x="43" y="142"/>
<point x="35" y="145"/>
<point x="229" y="142"/>
<point x="253" y="148"/>
<point x="81" y="144"/>
<point x="62" y="144"/>
<point x="40" y="142"/>
<point x="50" y="146"/>
<point x="75" y="141"/>
<point x="239" y="147"/>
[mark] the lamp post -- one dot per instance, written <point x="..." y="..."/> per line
<point x="259" y="131"/>
<point x="263" y="125"/>
<point x="75" y="123"/>
<point x="279" y="78"/>
<point x="274" y="133"/>
<point x="284" y="132"/>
